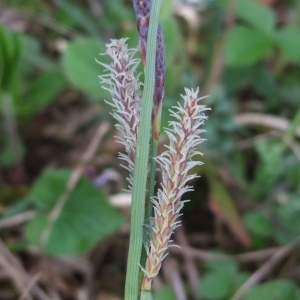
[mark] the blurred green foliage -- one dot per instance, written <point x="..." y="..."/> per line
<point x="81" y="68"/>
<point x="85" y="219"/>
<point x="277" y="289"/>
<point x="221" y="280"/>
<point x="10" y="49"/>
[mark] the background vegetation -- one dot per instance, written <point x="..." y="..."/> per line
<point x="63" y="216"/>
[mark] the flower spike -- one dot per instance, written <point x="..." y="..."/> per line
<point x="175" y="164"/>
<point x="142" y="10"/>
<point x="124" y="87"/>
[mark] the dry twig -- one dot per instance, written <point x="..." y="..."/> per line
<point x="265" y="269"/>
<point x="189" y="263"/>
<point x="217" y="59"/>
<point x="172" y="274"/>
<point x="264" y="120"/>
<point x="17" y="219"/>
<point x="206" y="255"/>
<point x="19" y="276"/>
<point x="29" y="286"/>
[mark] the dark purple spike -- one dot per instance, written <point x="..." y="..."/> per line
<point x="142" y="7"/>
<point x="142" y="10"/>
<point x="160" y="68"/>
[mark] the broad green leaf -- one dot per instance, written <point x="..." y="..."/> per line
<point x="256" y="14"/>
<point x="221" y="280"/>
<point x="85" y="219"/>
<point x="277" y="289"/>
<point x="288" y="41"/>
<point x="41" y="93"/>
<point x="81" y="68"/>
<point x="258" y="224"/>
<point x="165" y="293"/>
<point x="239" y="279"/>
<point x="245" y="46"/>
<point x="215" y="285"/>
<point x="228" y="267"/>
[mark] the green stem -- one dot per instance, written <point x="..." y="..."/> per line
<point x="151" y="178"/>
<point x="152" y="174"/>
<point x="156" y="116"/>
<point x="148" y="212"/>
<point x="141" y="163"/>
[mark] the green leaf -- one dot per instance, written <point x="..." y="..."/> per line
<point x="292" y="167"/>
<point x="7" y="154"/>
<point x="264" y="83"/>
<point x="228" y="267"/>
<point x="81" y="16"/>
<point x="32" y="56"/>
<point x="239" y="279"/>
<point x="268" y="171"/>
<point x="277" y="289"/>
<point x="259" y="225"/>
<point x="256" y="14"/>
<point x="10" y="52"/>
<point x="221" y="280"/>
<point x="288" y="41"/>
<point x="215" y="285"/>
<point x="234" y="78"/>
<point x="85" y="219"/>
<point x="245" y="46"/>
<point x="287" y="217"/>
<point x="81" y="68"/>
<point x="165" y="293"/>
<point x="289" y="90"/>
<point x="41" y="93"/>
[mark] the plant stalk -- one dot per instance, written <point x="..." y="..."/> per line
<point x="141" y="163"/>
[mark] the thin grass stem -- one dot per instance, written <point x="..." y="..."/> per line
<point x="141" y="163"/>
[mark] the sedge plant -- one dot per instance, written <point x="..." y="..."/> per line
<point x="137" y="109"/>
